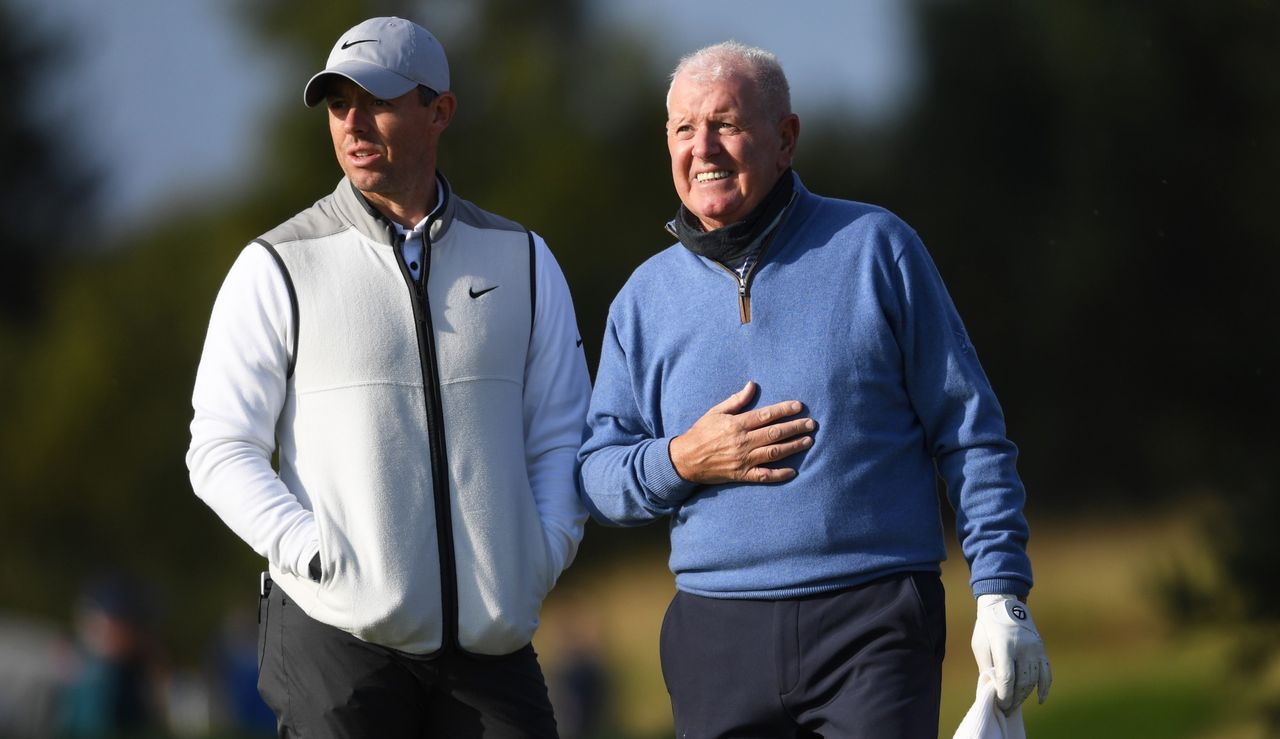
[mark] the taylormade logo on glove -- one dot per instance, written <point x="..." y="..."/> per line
<point x="1008" y="646"/>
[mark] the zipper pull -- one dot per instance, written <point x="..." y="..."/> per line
<point x="744" y="302"/>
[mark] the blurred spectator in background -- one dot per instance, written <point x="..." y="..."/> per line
<point x="33" y="657"/>
<point x="579" y="681"/>
<point x="112" y="689"/>
<point x="235" y="678"/>
<point x="582" y="694"/>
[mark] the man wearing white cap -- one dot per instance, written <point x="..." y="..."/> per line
<point x="414" y="363"/>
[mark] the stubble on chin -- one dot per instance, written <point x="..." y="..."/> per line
<point x="368" y="182"/>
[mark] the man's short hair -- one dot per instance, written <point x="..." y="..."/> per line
<point x="727" y="58"/>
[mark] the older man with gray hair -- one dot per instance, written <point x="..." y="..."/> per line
<point x="784" y="384"/>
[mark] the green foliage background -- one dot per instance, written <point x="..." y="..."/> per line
<point x="1095" y="180"/>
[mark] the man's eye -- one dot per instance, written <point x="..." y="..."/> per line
<point x="684" y="132"/>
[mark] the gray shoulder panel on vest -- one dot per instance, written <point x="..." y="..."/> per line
<point x="318" y="221"/>
<point x="472" y="215"/>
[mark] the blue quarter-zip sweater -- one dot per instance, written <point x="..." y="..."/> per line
<point x="848" y="315"/>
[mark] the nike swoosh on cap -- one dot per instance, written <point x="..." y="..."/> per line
<point x="347" y="44"/>
<point x="472" y="291"/>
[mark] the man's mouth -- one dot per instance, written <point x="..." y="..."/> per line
<point x="362" y="154"/>
<point x="719" y="174"/>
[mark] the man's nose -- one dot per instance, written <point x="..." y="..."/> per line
<point x="355" y="119"/>
<point x="706" y="143"/>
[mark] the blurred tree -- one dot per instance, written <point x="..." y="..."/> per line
<point x="1093" y="180"/>
<point x="47" y="181"/>
<point x="48" y="186"/>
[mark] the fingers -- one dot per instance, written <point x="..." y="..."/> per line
<point x="768" y="474"/>
<point x="1046" y="679"/>
<point x="1029" y="675"/>
<point x="982" y="650"/>
<point x="764" y="453"/>
<point x="737" y="401"/>
<point x="1006" y="673"/>
<point x="1020" y="695"/>
<point x="780" y="431"/>
<point x="1004" y="690"/>
<point x="1009" y="652"/>
<point x="759" y="417"/>
<point x="771" y="414"/>
<point x="731" y="444"/>
<point x="774" y="443"/>
<point x="1028" y="672"/>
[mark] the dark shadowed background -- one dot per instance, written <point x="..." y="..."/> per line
<point x="1097" y="183"/>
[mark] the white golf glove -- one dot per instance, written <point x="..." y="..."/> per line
<point x="1007" y="645"/>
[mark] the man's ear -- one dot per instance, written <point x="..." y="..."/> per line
<point x="789" y="134"/>
<point x="444" y="106"/>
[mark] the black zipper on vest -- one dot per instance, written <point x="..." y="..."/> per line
<point x="435" y="440"/>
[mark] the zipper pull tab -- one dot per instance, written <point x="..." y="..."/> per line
<point x="744" y="302"/>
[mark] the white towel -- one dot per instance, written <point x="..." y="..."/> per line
<point x="985" y="721"/>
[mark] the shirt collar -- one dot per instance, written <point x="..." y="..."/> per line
<point x="422" y="225"/>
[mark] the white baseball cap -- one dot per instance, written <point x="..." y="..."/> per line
<point x="387" y="57"/>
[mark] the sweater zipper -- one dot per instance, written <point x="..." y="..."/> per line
<point x="435" y="440"/>
<point x="744" y="289"/>
<point x="744" y="295"/>
<point x="744" y="280"/>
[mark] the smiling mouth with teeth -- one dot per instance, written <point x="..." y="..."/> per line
<point x="709" y="176"/>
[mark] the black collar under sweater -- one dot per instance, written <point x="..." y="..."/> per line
<point x="734" y="244"/>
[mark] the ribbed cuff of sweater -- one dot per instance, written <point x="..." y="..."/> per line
<point x="1001" y="586"/>
<point x="663" y="484"/>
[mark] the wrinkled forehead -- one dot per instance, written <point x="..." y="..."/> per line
<point x="698" y="95"/>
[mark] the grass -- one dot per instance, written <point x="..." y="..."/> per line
<point x="1120" y="670"/>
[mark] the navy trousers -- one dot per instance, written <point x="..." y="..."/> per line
<point x="324" y="683"/>
<point x="860" y="663"/>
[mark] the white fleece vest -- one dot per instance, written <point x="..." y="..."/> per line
<point x="356" y="438"/>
